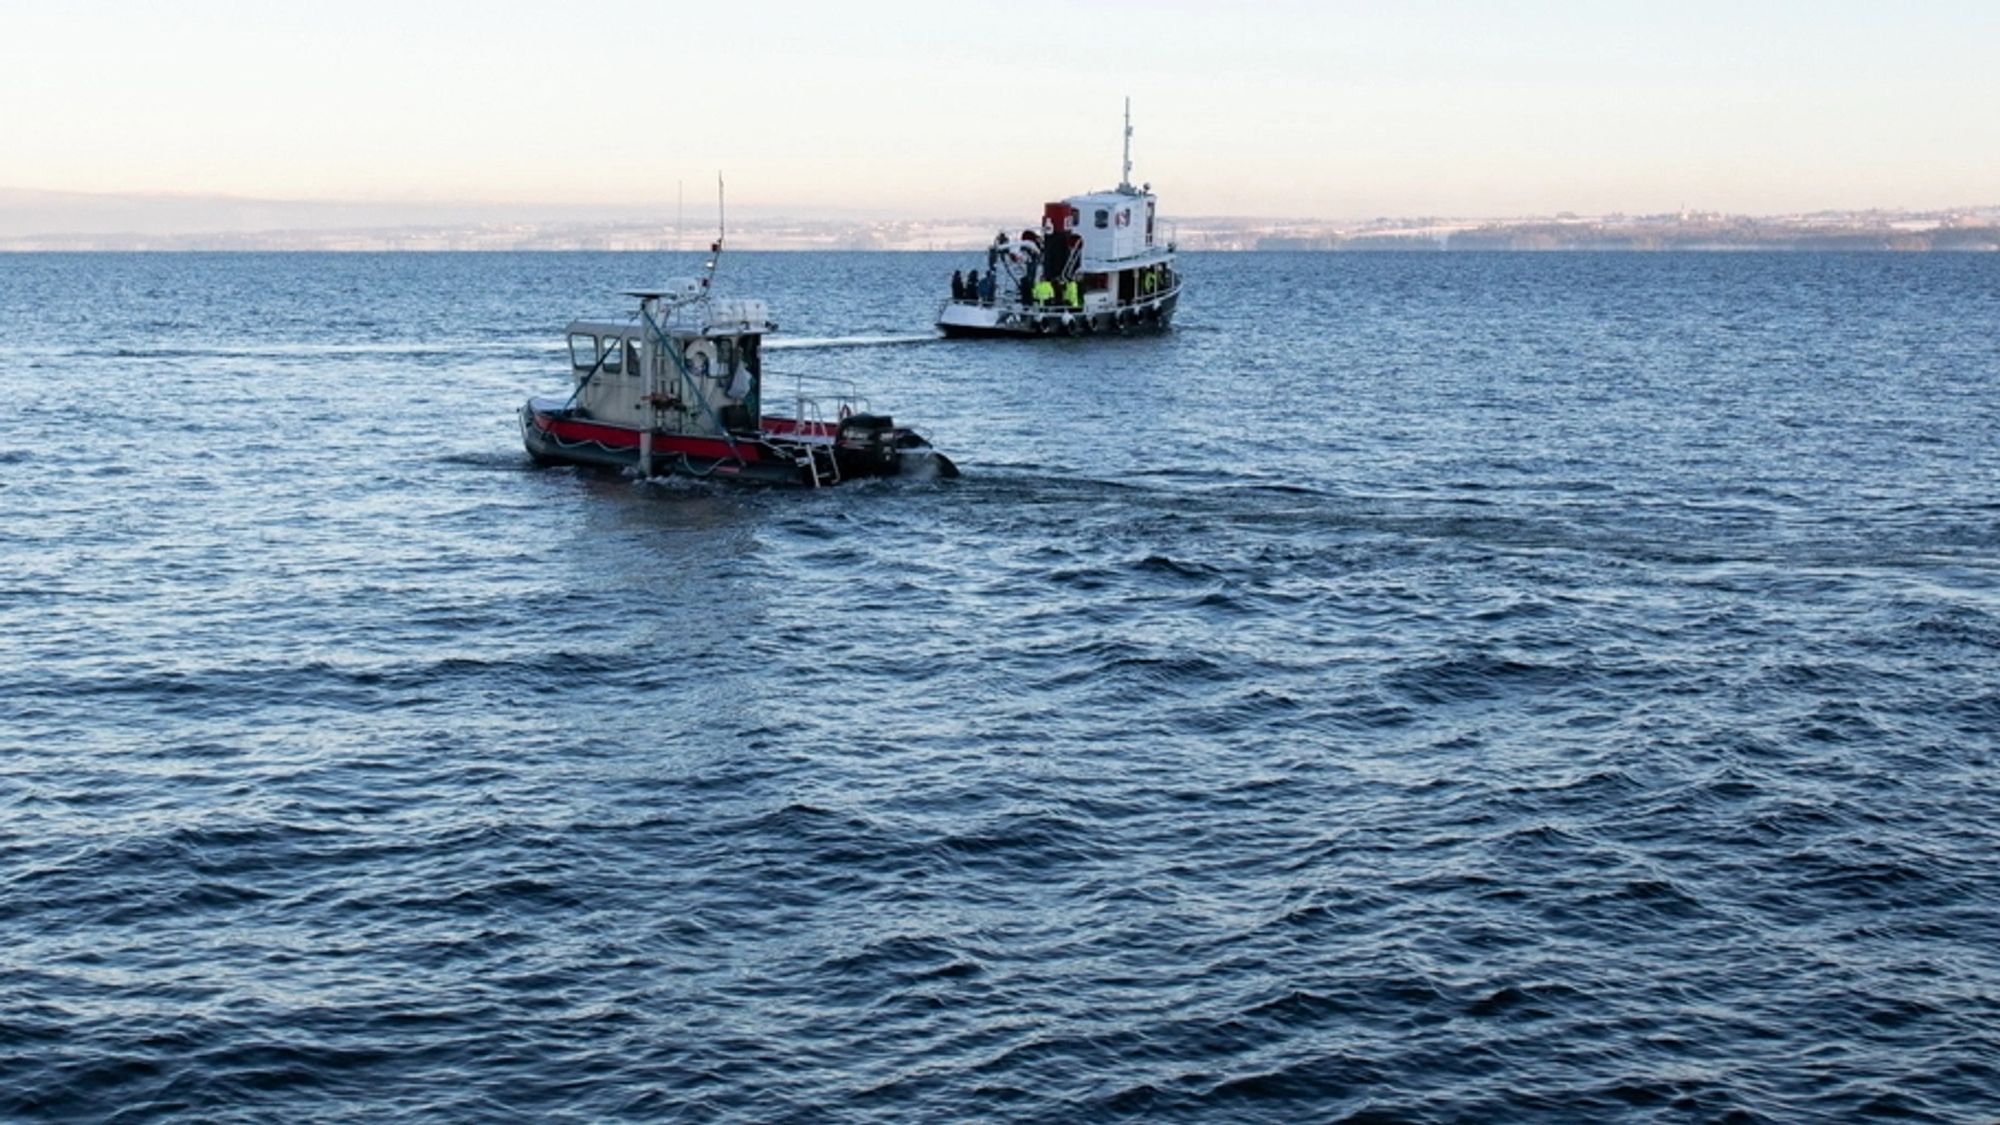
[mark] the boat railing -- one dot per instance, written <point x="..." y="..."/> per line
<point x="1011" y="299"/>
<point x="818" y="402"/>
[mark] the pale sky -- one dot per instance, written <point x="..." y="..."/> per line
<point x="942" y="109"/>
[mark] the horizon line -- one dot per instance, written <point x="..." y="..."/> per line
<point x="480" y="213"/>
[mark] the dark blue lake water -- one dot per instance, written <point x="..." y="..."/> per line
<point x="1417" y="688"/>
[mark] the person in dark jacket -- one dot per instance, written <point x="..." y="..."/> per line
<point x="972" y="285"/>
<point x="957" y="286"/>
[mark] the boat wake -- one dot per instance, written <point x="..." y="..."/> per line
<point x="805" y="343"/>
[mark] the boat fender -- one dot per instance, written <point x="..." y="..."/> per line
<point x="1125" y="318"/>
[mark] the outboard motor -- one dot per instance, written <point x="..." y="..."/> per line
<point x="873" y="445"/>
<point x="868" y="439"/>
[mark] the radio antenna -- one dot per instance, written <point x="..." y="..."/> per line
<point x="1125" y="179"/>
<point x="721" y="229"/>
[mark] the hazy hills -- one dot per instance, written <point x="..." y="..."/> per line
<point x="41" y="220"/>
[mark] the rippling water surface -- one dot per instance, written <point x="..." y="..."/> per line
<point x="1427" y="688"/>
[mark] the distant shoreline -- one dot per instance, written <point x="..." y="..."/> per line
<point x="1963" y="229"/>
<point x="1431" y="249"/>
<point x="1499" y="237"/>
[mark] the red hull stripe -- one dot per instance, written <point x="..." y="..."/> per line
<point x="618" y="437"/>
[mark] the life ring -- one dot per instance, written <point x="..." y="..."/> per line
<point x="699" y="359"/>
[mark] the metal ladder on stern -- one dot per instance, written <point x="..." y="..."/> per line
<point x="815" y="438"/>
<point x="816" y="458"/>
<point x="820" y="464"/>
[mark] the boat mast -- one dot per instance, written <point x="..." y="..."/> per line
<point x="715" y="251"/>
<point x="1125" y="178"/>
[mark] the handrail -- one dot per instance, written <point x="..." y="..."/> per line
<point x="846" y="386"/>
<point x="840" y="390"/>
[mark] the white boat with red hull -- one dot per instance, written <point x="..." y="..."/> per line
<point x="1095" y="266"/>
<point x="679" y="388"/>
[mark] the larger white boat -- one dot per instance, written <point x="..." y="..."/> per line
<point x="1097" y="264"/>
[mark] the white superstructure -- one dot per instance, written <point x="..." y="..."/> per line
<point x="1096" y="262"/>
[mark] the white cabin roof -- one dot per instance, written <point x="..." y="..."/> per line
<point x="714" y="316"/>
<point x="1110" y="197"/>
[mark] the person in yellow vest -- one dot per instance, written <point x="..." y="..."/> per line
<point x="1150" y="281"/>
<point x="1045" y="292"/>
<point x="1070" y="296"/>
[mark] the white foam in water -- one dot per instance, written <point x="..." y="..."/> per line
<point x="807" y="342"/>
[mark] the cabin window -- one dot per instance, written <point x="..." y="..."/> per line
<point x="1103" y="218"/>
<point x="614" y="356"/>
<point x="582" y="351"/>
<point x="634" y="350"/>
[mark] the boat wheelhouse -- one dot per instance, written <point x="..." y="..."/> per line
<point x="1097" y="264"/>
<point x="678" y="387"/>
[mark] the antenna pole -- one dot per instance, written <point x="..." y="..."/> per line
<point x="1125" y="179"/>
<point x="721" y="227"/>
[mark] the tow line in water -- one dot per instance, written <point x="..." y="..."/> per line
<point x="804" y="343"/>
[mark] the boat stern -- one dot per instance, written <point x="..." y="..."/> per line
<point x="968" y="318"/>
<point x="872" y="445"/>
